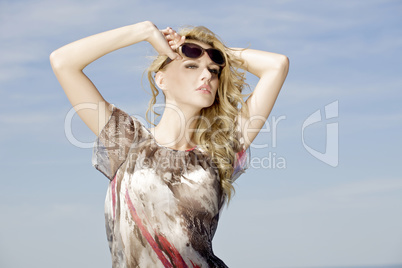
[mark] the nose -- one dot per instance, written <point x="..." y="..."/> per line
<point x="206" y="74"/>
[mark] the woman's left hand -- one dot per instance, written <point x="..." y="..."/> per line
<point x="173" y="38"/>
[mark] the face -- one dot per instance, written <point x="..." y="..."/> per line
<point x="190" y="82"/>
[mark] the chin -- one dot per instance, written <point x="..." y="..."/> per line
<point x="204" y="104"/>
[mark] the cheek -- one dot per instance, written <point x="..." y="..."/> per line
<point x="174" y="81"/>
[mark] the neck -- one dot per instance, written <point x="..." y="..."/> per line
<point x="176" y="127"/>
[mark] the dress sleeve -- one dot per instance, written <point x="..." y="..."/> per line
<point x="242" y="155"/>
<point x="113" y="143"/>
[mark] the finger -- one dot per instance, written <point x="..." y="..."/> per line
<point x="173" y="33"/>
<point x="176" y="37"/>
<point x="173" y="45"/>
<point x="165" y="31"/>
<point x="180" y="38"/>
<point x="181" y="41"/>
<point x="176" y="42"/>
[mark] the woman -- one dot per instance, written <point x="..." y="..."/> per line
<point x="169" y="183"/>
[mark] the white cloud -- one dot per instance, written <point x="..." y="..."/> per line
<point x="364" y="187"/>
<point x="33" y="98"/>
<point x="347" y="224"/>
<point x="35" y="20"/>
<point x="367" y="122"/>
<point x="363" y="194"/>
<point x="61" y="229"/>
<point x="28" y="27"/>
<point x="301" y="91"/>
<point x="46" y="126"/>
<point x="24" y="120"/>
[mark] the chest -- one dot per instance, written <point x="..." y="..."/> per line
<point x="163" y="180"/>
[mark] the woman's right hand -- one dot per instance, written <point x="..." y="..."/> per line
<point x="165" y="41"/>
<point x="173" y="38"/>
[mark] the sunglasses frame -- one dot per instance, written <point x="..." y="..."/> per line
<point x="208" y="50"/>
<point x="203" y="50"/>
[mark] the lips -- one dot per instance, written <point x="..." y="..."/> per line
<point x="204" y="88"/>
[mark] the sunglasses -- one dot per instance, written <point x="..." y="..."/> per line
<point x="194" y="51"/>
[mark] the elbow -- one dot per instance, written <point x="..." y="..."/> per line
<point x="54" y="59"/>
<point x="284" y="63"/>
<point x="59" y="60"/>
<point x="280" y="66"/>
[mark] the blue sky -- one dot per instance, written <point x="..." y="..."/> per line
<point x="301" y="213"/>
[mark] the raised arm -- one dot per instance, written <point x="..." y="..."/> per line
<point x="69" y="61"/>
<point x="272" y="70"/>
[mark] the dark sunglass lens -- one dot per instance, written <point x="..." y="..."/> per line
<point x="191" y="51"/>
<point x="216" y="56"/>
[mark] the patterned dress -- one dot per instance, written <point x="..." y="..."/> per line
<point x="162" y="205"/>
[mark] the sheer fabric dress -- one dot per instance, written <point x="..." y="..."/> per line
<point x="162" y="205"/>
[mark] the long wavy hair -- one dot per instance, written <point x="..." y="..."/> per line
<point x="215" y="132"/>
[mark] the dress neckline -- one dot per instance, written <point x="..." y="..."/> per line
<point x="167" y="148"/>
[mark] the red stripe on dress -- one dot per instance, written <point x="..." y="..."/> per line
<point x="195" y="265"/>
<point x="167" y="247"/>
<point x="172" y="252"/>
<point x="145" y="232"/>
<point x="191" y="149"/>
<point x="113" y="186"/>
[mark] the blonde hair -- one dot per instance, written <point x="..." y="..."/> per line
<point x="216" y="135"/>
